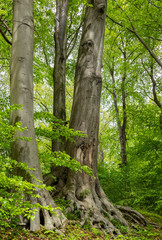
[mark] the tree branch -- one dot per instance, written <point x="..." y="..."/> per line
<point x="139" y="38"/>
<point x="6" y="26"/>
<point x="155" y="99"/>
<point x="5" y="38"/>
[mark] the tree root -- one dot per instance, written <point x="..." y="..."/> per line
<point x="88" y="200"/>
<point x="133" y="215"/>
<point x="50" y="220"/>
<point x="51" y="217"/>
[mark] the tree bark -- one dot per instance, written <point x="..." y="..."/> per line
<point x="59" y="74"/>
<point x="85" y="192"/>
<point x="22" y="93"/>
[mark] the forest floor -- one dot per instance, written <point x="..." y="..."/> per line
<point x="153" y="231"/>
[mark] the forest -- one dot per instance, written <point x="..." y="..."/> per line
<point x="80" y="119"/>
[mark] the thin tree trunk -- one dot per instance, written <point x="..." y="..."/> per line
<point x="121" y="126"/>
<point x="22" y="93"/>
<point x="59" y="74"/>
<point x="124" y="123"/>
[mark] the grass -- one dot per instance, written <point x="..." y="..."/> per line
<point x="153" y="231"/>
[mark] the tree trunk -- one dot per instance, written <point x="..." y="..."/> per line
<point x="85" y="192"/>
<point x="121" y="126"/>
<point x="124" y="118"/>
<point x="22" y="93"/>
<point x="59" y="74"/>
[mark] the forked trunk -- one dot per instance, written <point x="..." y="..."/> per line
<point x="22" y="93"/>
<point x="85" y="192"/>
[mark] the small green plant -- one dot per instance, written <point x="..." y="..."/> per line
<point x="15" y="192"/>
<point x="62" y="203"/>
<point x="84" y="193"/>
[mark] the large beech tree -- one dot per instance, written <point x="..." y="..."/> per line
<point x="83" y="191"/>
<point x="22" y="93"/>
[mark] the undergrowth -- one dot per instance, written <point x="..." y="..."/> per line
<point x="73" y="231"/>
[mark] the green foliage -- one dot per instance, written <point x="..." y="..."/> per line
<point x="139" y="183"/>
<point x="56" y="128"/>
<point x="62" y="203"/>
<point x="115" y="183"/>
<point x="49" y="158"/>
<point x="52" y="128"/>
<point x="14" y="189"/>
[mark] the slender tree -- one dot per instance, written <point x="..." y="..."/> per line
<point x="22" y="93"/>
<point x="120" y="123"/>
<point x="59" y="74"/>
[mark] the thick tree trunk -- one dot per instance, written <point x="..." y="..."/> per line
<point x="59" y="74"/>
<point x="22" y="93"/>
<point x="85" y="192"/>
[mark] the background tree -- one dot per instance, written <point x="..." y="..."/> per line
<point x="128" y="184"/>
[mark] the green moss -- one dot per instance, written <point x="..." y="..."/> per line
<point x="84" y="193"/>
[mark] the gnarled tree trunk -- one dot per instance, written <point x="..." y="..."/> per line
<point x="85" y="192"/>
<point x="22" y="93"/>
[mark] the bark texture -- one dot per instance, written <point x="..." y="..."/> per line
<point x="22" y="93"/>
<point x="59" y="74"/>
<point x="85" y="192"/>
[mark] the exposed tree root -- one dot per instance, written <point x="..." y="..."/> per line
<point x="133" y="215"/>
<point x="54" y="220"/>
<point x="88" y="200"/>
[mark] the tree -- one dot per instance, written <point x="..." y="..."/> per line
<point x="121" y="123"/>
<point x="132" y="17"/>
<point x="59" y="74"/>
<point x="22" y="94"/>
<point x="142" y="116"/>
<point x="84" y="192"/>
